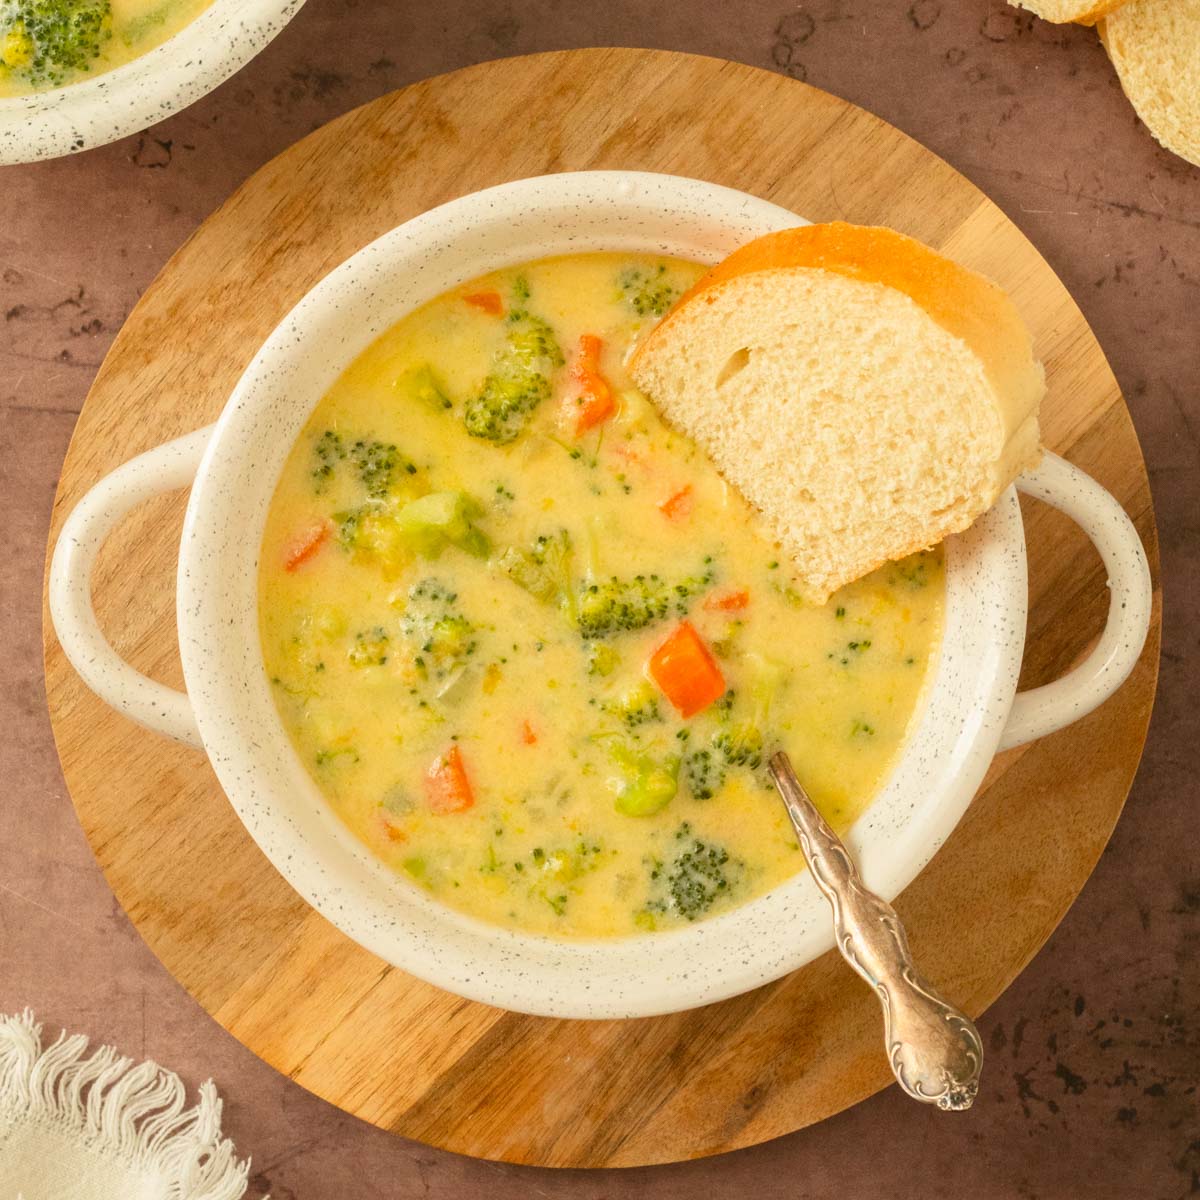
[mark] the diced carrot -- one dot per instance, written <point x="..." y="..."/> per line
<point x="594" y="408"/>
<point x="447" y="787"/>
<point x="488" y="302"/>
<point x="588" y="356"/>
<point x="304" y="548"/>
<point x="394" y="832"/>
<point x="727" y="601"/>
<point x="686" y="671"/>
<point x="528" y="736"/>
<point x="590" y="399"/>
<point x="679" y="505"/>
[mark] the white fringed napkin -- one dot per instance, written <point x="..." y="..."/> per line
<point x="101" y="1128"/>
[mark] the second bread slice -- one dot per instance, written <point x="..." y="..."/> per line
<point x="1083" y="12"/>
<point x="868" y="395"/>
<point x="1155" y="47"/>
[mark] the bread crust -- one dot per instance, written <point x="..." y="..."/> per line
<point x="1088" y="17"/>
<point x="964" y="304"/>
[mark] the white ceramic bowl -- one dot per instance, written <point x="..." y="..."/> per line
<point x="100" y="109"/>
<point x="229" y="712"/>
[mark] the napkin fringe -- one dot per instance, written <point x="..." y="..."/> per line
<point x="135" y="1112"/>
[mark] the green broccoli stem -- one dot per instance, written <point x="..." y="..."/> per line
<point x="648" y="784"/>
<point x="651" y="789"/>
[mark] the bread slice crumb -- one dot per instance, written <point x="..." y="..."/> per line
<point x="1155" y="47"/>
<point x="866" y="394"/>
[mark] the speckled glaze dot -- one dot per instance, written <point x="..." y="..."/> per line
<point x="968" y="702"/>
<point x="138" y="94"/>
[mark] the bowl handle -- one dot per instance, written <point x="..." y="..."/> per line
<point x="1044" y="710"/>
<point x="164" y="469"/>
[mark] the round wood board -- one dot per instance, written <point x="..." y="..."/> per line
<point x="337" y="1020"/>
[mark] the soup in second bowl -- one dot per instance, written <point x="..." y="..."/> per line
<point x="47" y="44"/>
<point x="534" y="651"/>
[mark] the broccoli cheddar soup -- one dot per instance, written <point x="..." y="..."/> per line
<point x="534" y="651"/>
<point x="49" y="43"/>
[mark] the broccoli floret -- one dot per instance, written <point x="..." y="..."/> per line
<point x="518" y="382"/>
<point x="51" y="40"/>
<point x="532" y="340"/>
<point x="744" y="731"/>
<point x="545" y="570"/>
<point x="697" y="876"/>
<point x="741" y="745"/>
<point x="442" y="518"/>
<point x="370" y="648"/>
<point x="699" y="873"/>
<point x="617" y="605"/>
<point x="328" y="451"/>
<point x="648" y="292"/>
<point x="388" y="535"/>
<point x="704" y="773"/>
<point x="450" y="638"/>
<point x="442" y="638"/>
<point x="372" y="536"/>
<point x="645" y="784"/>
<point x="638" y="706"/>
<point x="380" y="465"/>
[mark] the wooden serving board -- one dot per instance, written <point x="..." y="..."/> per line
<point x="369" y="1038"/>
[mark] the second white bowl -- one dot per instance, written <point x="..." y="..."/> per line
<point x="146" y="90"/>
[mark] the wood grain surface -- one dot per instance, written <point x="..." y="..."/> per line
<point x="342" y="1023"/>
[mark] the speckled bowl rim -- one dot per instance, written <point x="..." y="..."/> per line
<point x="965" y="709"/>
<point x="140" y="93"/>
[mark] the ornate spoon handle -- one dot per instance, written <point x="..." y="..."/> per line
<point x="934" y="1049"/>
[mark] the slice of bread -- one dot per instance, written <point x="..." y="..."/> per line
<point x="1082" y="12"/>
<point x="867" y="395"/>
<point x="1155" y="47"/>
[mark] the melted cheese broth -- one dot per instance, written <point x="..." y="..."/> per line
<point x="392" y="655"/>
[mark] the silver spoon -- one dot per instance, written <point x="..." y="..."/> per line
<point x="934" y="1050"/>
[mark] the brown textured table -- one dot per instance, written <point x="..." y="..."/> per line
<point x="1095" y="1050"/>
